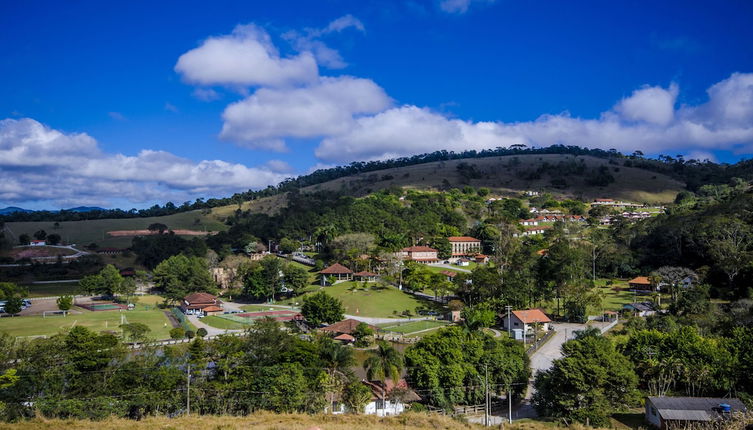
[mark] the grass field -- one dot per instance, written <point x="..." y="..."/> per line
<point x="97" y="321"/>
<point x="222" y="323"/>
<point x="369" y="303"/>
<point x="412" y="327"/>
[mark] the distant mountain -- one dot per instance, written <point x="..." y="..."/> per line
<point x="85" y="209"/>
<point x="12" y="209"/>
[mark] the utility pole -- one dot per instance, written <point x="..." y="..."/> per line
<point x="509" y="404"/>
<point x="486" y="395"/>
<point x="508" y="308"/>
<point x="188" y="391"/>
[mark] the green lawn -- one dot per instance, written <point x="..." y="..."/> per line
<point x="369" y="303"/>
<point x="97" y="321"/>
<point x="222" y="323"/>
<point x="260" y="307"/>
<point x="414" y="326"/>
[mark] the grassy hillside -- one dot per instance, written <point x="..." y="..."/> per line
<point x="504" y="176"/>
<point x="86" y="232"/>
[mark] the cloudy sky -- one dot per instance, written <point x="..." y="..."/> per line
<point x="124" y="104"/>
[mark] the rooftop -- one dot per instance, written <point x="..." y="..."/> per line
<point x="693" y="408"/>
<point x="419" y="248"/>
<point x="345" y="326"/>
<point x="200" y="298"/>
<point x="640" y="280"/>
<point x="462" y="239"/>
<point x="336" y="269"/>
<point x="531" y="316"/>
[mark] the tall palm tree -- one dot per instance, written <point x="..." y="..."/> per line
<point x="337" y="360"/>
<point x="384" y="362"/>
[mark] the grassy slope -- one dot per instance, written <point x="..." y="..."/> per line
<point x="370" y="303"/>
<point x="259" y="421"/>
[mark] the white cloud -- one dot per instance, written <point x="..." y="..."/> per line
<point x="246" y="57"/>
<point x="264" y="119"/>
<point x="655" y="105"/>
<point x="117" y="116"/>
<point x="459" y="6"/>
<point x="309" y="40"/>
<point x="40" y="163"/>
<point x="279" y="166"/>
<point x="644" y="121"/>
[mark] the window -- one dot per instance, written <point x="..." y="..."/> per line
<point x="516" y="324"/>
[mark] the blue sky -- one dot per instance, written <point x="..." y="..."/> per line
<point x="130" y="103"/>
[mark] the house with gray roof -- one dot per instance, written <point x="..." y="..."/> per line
<point x="678" y="412"/>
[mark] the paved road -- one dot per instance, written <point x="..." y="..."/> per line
<point x="451" y="267"/>
<point x="370" y="320"/>
<point x="210" y="330"/>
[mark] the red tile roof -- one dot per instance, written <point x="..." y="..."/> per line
<point x="462" y="239"/>
<point x="640" y="280"/>
<point x="336" y="269"/>
<point x="449" y="273"/>
<point x="212" y="308"/>
<point x="345" y="336"/>
<point x="364" y="273"/>
<point x="195" y="298"/>
<point x="345" y="326"/>
<point x="531" y="316"/>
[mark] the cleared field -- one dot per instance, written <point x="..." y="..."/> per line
<point x="95" y="231"/>
<point x="37" y="251"/>
<point x="386" y="302"/>
<point x="98" y="321"/>
<point x="223" y="323"/>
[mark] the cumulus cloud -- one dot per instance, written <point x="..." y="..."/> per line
<point x="40" y="163"/>
<point x="246" y="57"/>
<point x="206" y="94"/>
<point x="265" y="118"/>
<point x="647" y="121"/>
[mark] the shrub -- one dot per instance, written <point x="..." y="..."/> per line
<point x="177" y="333"/>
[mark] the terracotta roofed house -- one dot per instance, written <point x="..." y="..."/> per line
<point x="464" y="245"/>
<point x="640" y="283"/>
<point x="527" y="319"/>
<point x="346" y="326"/>
<point x="201" y="303"/>
<point x="421" y="254"/>
<point x="340" y="272"/>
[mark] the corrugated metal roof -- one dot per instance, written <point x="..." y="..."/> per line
<point x="695" y="403"/>
<point x="672" y="414"/>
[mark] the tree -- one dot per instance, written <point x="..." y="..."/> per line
<point x="180" y="275"/>
<point x="40" y="234"/>
<point x="157" y="227"/>
<point x="9" y="289"/>
<point x="24" y="239"/>
<point x="65" y="303"/>
<point x="443" y="247"/>
<point x="589" y="382"/>
<point x="477" y="317"/>
<point x="135" y="332"/>
<point x="362" y="333"/>
<point x="289" y="246"/>
<point x="177" y="333"/>
<point x="111" y="280"/>
<point x="356" y="396"/>
<point x="288" y="389"/>
<point x="53" y="239"/>
<point x="14" y="305"/>
<point x="384" y="363"/>
<point x="296" y="277"/>
<point x="321" y="308"/>
<point x="350" y="246"/>
<point x="201" y="332"/>
<point x="672" y="278"/>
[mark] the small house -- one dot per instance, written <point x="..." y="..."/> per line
<point x="463" y="262"/>
<point x="640" y="283"/>
<point x="683" y="412"/>
<point x="481" y="258"/>
<point x="37" y="243"/>
<point x="450" y="274"/>
<point x="340" y="272"/>
<point x="526" y="320"/>
<point x="642" y="309"/>
<point x="346" y="326"/>
<point x="420" y="254"/>
<point x="388" y="399"/>
<point x="201" y="304"/>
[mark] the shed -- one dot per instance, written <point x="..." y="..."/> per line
<point x="664" y="412"/>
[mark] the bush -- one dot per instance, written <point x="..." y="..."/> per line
<point x="177" y="333"/>
<point x="201" y="332"/>
<point x="190" y="334"/>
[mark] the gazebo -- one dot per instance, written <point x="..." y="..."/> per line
<point x="365" y="276"/>
<point x="340" y="272"/>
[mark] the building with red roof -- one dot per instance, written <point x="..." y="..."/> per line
<point x="463" y="246"/>
<point x="365" y="276"/>
<point x="338" y="271"/>
<point x="526" y="320"/>
<point x="198" y="303"/>
<point x="421" y="254"/>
